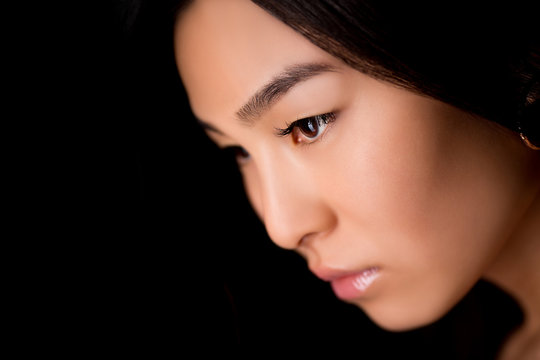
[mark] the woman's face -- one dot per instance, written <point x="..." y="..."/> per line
<point x="401" y="201"/>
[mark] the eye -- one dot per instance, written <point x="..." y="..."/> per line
<point x="238" y="152"/>
<point x="309" y="129"/>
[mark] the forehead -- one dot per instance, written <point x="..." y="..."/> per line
<point x="226" y="50"/>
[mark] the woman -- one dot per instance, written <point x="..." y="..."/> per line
<point x="397" y="152"/>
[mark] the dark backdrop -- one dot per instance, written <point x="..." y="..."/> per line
<point x="151" y="246"/>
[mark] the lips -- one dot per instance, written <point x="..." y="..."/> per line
<point x="349" y="285"/>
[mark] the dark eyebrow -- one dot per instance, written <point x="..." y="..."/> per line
<point x="270" y="93"/>
<point x="208" y="126"/>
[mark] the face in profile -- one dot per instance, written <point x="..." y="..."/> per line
<point x="400" y="201"/>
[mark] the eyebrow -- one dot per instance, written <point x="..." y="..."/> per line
<point x="272" y="91"/>
<point x="276" y="88"/>
<point x="208" y="126"/>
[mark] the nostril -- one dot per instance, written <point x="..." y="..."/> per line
<point x="304" y="239"/>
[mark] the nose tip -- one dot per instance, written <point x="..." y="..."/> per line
<point x="290" y="225"/>
<point x="279" y="230"/>
<point x="290" y="201"/>
<point x="283" y="233"/>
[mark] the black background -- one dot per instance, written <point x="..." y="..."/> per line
<point x="144" y="243"/>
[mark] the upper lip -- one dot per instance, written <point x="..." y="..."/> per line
<point x="329" y="274"/>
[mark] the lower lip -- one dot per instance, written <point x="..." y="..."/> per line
<point x="356" y="285"/>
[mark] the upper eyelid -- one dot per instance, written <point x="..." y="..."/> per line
<point x="290" y="127"/>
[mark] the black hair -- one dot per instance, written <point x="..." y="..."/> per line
<point x="481" y="57"/>
<point x="477" y="66"/>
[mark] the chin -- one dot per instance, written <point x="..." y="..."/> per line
<point x="404" y="318"/>
<point x="400" y="325"/>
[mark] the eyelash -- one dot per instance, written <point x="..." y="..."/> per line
<point x="237" y="152"/>
<point x="241" y="155"/>
<point x="320" y="119"/>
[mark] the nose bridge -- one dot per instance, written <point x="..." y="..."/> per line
<point x="291" y="202"/>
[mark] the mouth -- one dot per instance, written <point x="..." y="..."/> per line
<point x="349" y="285"/>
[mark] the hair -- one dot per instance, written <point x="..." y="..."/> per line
<point x="481" y="58"/>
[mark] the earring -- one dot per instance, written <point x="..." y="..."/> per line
<point x="528" y="142"/>
<point x="530" y="114"/>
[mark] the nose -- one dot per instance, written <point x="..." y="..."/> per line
<point x="291" y="203"/>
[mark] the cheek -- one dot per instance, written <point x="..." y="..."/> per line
<point x="426" y="172"/>
<point x="391" y="167"/>
<point x="418" y="187"/>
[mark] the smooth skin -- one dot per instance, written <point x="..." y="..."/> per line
<point x="435" y="197"/>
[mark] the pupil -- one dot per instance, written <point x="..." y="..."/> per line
<point x="310" y="128"/>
